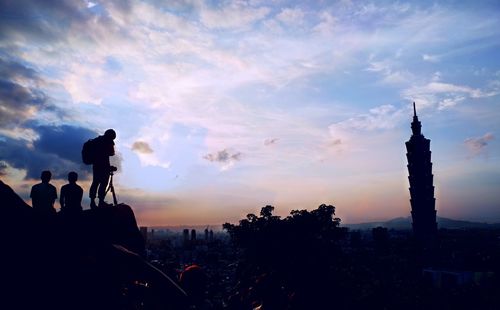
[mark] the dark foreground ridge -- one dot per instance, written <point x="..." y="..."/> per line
<point x="89" y="261"/>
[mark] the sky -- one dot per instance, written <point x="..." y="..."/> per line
<point x="223" y="107"/>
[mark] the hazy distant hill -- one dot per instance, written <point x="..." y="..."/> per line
<point x="405" y="223"/>
<point x="180" y="228"/>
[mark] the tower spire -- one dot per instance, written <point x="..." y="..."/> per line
<point x="416" y="126"/>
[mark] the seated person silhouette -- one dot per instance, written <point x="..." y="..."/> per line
<point x="101" y="168"/>
<point x="43" y="195"/>
<point x="71" y="195"/>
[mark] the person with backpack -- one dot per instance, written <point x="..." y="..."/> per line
<point x="97" y="152"/>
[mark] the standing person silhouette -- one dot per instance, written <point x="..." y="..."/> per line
<point x="101" y="168"/>
<point x="43" y="195"/>
<point x="71" y="195"/>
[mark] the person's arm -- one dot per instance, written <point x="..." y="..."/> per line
<point x="112" y="149"/>
<point x="80" y="195"/>
<point x="62" y="197"/>
<point x="54" y="197"/>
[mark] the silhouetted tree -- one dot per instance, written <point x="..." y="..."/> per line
<point x="288" y="248"/>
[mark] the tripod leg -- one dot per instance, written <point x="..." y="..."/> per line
<point x="115" y="201"/>
<point x="112" y="189"/>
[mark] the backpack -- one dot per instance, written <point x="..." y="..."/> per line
<point x="89" y="151"/>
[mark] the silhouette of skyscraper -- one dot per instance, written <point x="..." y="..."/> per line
<point x="185" y="234"/>
<point x="423" y="210"/>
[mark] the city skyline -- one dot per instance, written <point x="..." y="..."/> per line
<point x="222" y="108"/>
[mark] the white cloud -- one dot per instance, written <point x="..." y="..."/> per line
<point x="326" y="25"/>
<point x="389" y="74"/>
<point x="292" y="17"/>
<point x="450" y="102"/>
<point x="445" y="95"/>
<point x="431" y="58"/>
<point x="384" y="117"/>
<point x="234" y="16"/>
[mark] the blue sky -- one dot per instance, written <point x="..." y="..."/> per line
<point x="222" y="107"/>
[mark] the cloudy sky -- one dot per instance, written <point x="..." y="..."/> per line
<point x="223" y="107"/>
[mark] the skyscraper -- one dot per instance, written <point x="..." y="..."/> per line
<point x="423" y="203"/>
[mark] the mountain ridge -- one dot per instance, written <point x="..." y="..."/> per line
<point x="404" y="223"/>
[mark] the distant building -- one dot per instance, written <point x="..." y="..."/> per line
<point x="211" y="235"/>
<point x="185" y="234"/>
<point x="206" y="234"/>
<point x="144" y="233"/>
<point x="423" y="203"/>
<point x="193" y="235"/>
<point x="454" y="278"/>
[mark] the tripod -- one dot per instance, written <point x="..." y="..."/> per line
<point x="112" y="189"/>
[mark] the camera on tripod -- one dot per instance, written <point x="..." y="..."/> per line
<point x="112" y="169"/>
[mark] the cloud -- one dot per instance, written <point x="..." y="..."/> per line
<point x="478" y="145"/>
<point x="223" y="157"/>
<point x="57" y="148"/>
<point x="3" y="167"/>
<point x="356" y="133"/>
<point x="390" y="75"/>
<point x="142" y="147"/>
<point x="233" y="16"/>
<point x="20" y="96"/>
<point x="450" y="102"/>
<point x="326" y="24"/>
<point x="271" y="141"/>
<point x="446" y="95"/>
<point x="430" y="58"/>
<point x="382" y="117"/>
<point x="291" y="17"/>
<point x="335" y="143"/>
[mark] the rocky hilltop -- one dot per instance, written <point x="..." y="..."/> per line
<point x="91" y="260"/>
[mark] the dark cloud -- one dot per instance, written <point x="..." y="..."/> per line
<point x="20" y="96"/>
<point x="38" y="20"/>
<point x="16" y="102"/>
<point x="142" y="147"/>
<point x="51" y="21"/>
<point x="66" y="141"/>
<point x="223" y="156"/>
<point x="270" y="141"/>
<point x="58" y="149"/>
<point x="478" y="145"/>
<point x="13" y="69"/>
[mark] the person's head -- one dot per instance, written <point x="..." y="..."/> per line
<point x="110" y="134"/>
<point x="46" y="176"/>
<point x="72" y="177"/>
<point x="193" y="280"/>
